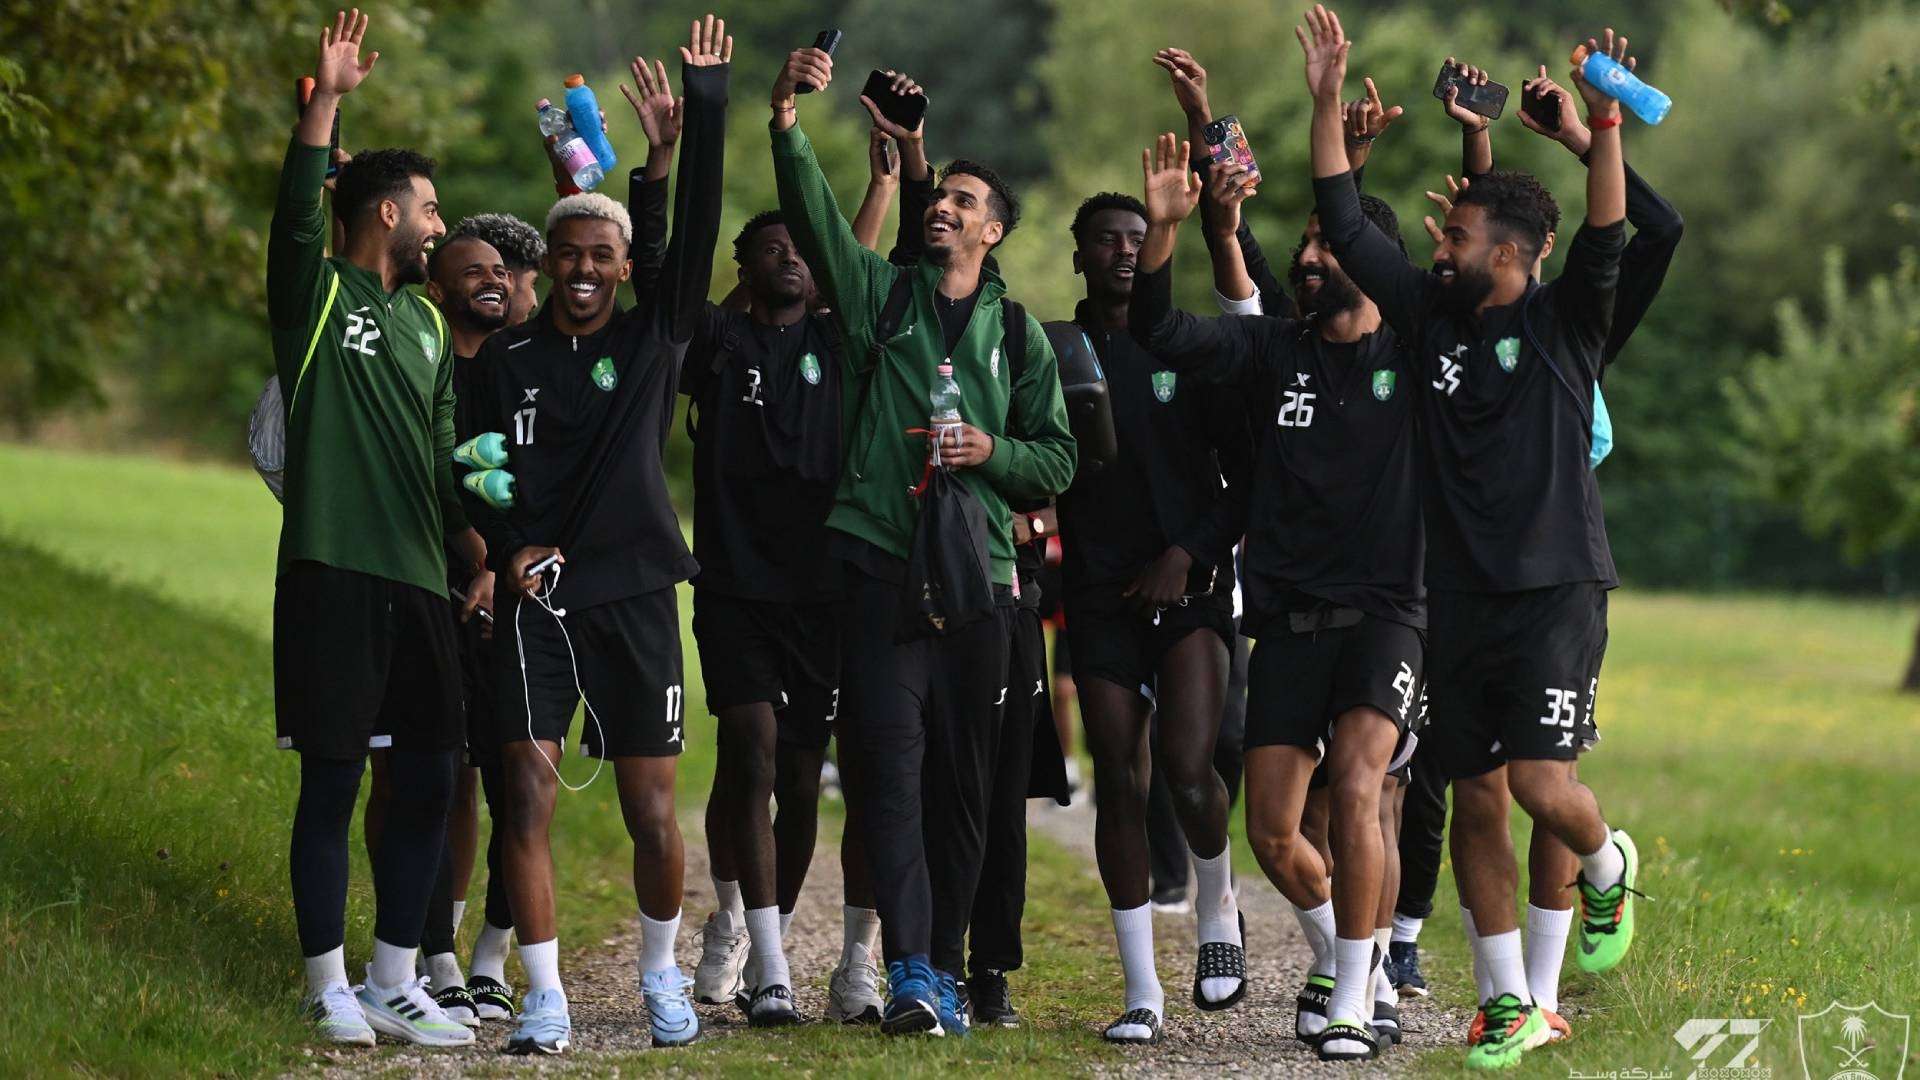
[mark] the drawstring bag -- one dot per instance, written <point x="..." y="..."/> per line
<point x="267" y="438"/>
<point x="949" y="583"/>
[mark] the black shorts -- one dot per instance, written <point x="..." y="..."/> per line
<point x="785" y="654"/>
<point x="626" y="657"/>
<point x="1298" y="683"/>
<point x="1514" y="675"/>
<point x="477" y="685"/>
<point x="361" y="662"/>
<point x="1112" y="641"/>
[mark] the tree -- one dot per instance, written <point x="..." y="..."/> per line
<point x="1830" y="422"/>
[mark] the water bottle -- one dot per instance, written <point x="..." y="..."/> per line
<point x="495" y="487"/>
<point x="1612" y="78"/>
<point x="575" y="156"/>
<point x="586" y="120"/>
<point x="485" y="451"/>
<point x="946" y="409"/>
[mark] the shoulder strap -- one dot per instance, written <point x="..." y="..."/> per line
<point x="729" y="344"/>
<point x="829" y="330"/>
<point x="1013" y="338"/>
<point x="1582" y="403"/>
<point x="899" y="297"/>
<point x="319" y="327"/>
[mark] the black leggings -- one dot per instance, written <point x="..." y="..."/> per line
<point x="440" y="930"/>
<point x="1423" y="820"/>
<point x="403" y="867"/>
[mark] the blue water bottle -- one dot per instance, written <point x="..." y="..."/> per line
<point x="1612" y="78"/>
<point x="585" y="109"/>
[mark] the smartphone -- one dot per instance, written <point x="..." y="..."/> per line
<point x="1544" y="108"/>
<point x="461" y="597"/>
<point x="907" y="110"/>
<point x="542" y="566"/>
<point x="1227" y="141"/>
<point x="303" y="93"/>
<point x="826" y="41"/>
<point x="1488" y="100"/>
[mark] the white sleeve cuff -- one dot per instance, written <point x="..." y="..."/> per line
<point x="1249" y="306"/>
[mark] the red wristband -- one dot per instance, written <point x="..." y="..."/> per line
<point x="1598" y="123"/>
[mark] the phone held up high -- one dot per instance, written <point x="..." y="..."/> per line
<point x="1488" y="99"/>
<point x="907" y="110"/>
<point x="303" y="93"/>
<point x="826" y="41"/>
<point x="1227" y="141"/>
<point x="1543" y="107"/>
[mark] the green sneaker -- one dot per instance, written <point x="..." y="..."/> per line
<point x="1513" y="1028"/>
<point x="1606" y="915"/>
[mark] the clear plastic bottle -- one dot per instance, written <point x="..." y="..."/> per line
<point x="946" y="397"/>
<point x="575" y="155"/>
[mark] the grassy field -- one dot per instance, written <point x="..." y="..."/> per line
<point x="1754" y="746"/>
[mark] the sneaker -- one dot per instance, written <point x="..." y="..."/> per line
<point x="1141" y="1026"/>
<point x="1172" y="902"/>
<point x="492" y="999"/>
<point x="912" y="993"/>
<point x="721" y="976"/>
<point x="1386" y="1023"/>
<point x="830" y="781"/>
<point x="669" y="1014"/>
<point x="458" y="1004"/>
<point x="952" y="1004"/>
<point x="1310" y="1008"/>
<point x="337" y="1016"/>
<point x="1478" y="1025"/>
<point x="407" y="1013"/>
<point x="1513" y="1027"/>
<point x="772" y="1006"/>
<point x="1403" y="968"/>
<point x="992" y="1000"/>
<point x="1348" y="1040"/>
<point x="1606" y="915"/>
<point x="543" y="1027"/>
<point x="1557" y="1026"/>
<point x="852" y="993"/>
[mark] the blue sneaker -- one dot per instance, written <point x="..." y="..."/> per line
<point x="669" y="1011"/>
<point x="543" y="1026"/>
<point x="1403" y="968"/>
<point x="912" y="998"/>
<point x="953" y="1011"/>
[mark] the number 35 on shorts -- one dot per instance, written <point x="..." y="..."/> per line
<point x="1563" y="707"/>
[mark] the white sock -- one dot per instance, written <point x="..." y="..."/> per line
<point x="730" y="912"/>
<point x="1406" y="928"/>
<point x="392" y="965"/>
<point x="459" y="915"/>
<point x="490" y="952"/>
<point x="444" y="970"/>
<point x="1218" y="913"/>
<point x="786" y="924"/>
<point x="1482" y="985"/>
<point x="862" y="926"/>
<point x="1317" y="925"/>
<point x="542" y="961"/>
<point x="1546" y="947"/>
<point x="1605" y="867"/>
<point x="1133" y="930"/>
<point x="1382" y="986"/>
<point x="766" y="960"/>
<point x="1352" y="979"/>
<point x="1506" y="968"/>
<point x="327" y="969"/>
<point x="656" y="942"/>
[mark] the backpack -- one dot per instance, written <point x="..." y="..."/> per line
<point x="267" y="438"/>
<point x="1592" y="409"/>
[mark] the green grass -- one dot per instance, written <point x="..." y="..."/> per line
<point x="1754" y="745"/>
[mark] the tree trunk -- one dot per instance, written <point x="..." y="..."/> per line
<point x="1911" y="683"/>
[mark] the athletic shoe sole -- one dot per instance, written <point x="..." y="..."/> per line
<point x="1412" y="991"/>
<point x="363" y="1037"/>
<point x="524" y="1047"/>
<point x="405" y="1032"/>
<point x="920" y="1020"/>
<point x="782" y="1018"/>
<point x="662" y="1044"/>
<point x="868" y="1015"/>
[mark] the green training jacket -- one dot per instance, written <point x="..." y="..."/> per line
<point x="368" y="381"/>
<point x="883" y="463"/>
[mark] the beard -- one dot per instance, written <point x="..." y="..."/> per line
<point x="1470" y="286"/>
<point x="1336" y="295"/>
<point x="409" y="263"/>
<point x="481" y="320"/>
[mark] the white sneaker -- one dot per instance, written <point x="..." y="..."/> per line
<point x="408" y="1013"/>
<point x="723" y="961"/>
<point x="853" y="996"/>
<point x="338" y="1017"/>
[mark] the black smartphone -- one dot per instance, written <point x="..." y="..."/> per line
<point x="1488" y="99"/>
<point x="907" y="110"/>
<point x="1544" y="108"/>
<point x="302" y="94"/>
<point x="1227" y="142"/>
<point x="826" y="41"/>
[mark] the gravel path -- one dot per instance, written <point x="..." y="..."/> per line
<point x="1255" y="1037"/>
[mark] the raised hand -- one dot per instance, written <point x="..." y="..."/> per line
<point x="339" y="68"/>
<point x="1367" y="118"/>
<point x="901" y="85"/>
<point x="807" y="65"/>
<point x="1325" y="45"/>
<point x="1599" y="103"/>
<point x="1573" y="131"/>
<point x="1457" y="112"/>
<point x="707" y="43"/>
<point x="1172" y="189"/>
<point x="1226" y="189"/>
<point x="1189" y="83"/>
<point x="659" y="111"/>
<point x="1445" y="203"/>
